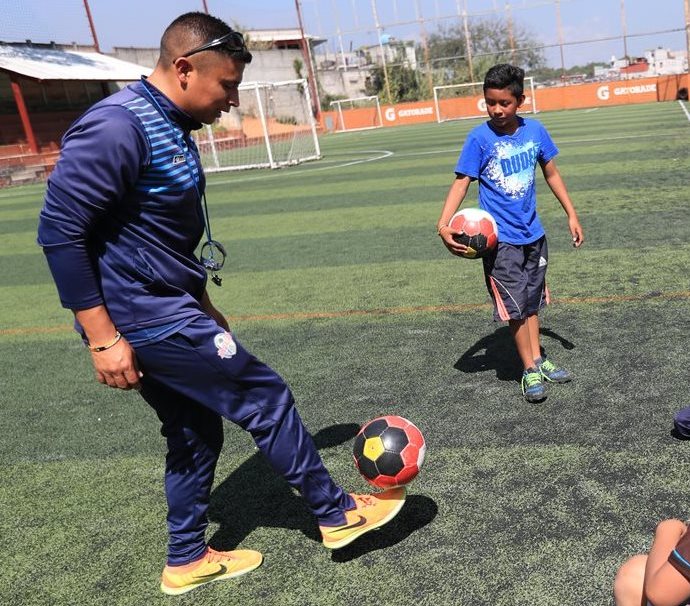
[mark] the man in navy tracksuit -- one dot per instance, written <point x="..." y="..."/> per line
<point x="120" y="225"/>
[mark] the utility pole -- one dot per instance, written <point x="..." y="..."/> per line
<point x="306" y="52"/>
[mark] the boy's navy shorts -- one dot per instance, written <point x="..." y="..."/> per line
<point x="516" y="279"/>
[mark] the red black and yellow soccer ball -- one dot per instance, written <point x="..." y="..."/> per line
<point x="479" y="231"/>
<point x="389" y="451"/>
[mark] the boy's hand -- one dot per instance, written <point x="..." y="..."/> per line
<point x="447" y="232"/>
<point x="576" y="232"/>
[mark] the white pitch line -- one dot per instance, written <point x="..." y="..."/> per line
<point x="306" y="169"/>
<point x="593" y="140"/>
<point x="685" y="109"/>
<point x="602" y="139"/>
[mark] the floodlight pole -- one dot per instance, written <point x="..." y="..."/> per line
<point x="104" y="85"/>
<point x="306" y="51"/>
<point x="92" y="26"/>
<point x="468" y="42"/>
<point x="687" y="31"/>
<point x="625" y="30"/>
<point x="560" y="34"/>
<point x="340" y="36"/>
<point x="377" y="24"/>
<point x="425" y="46"/>
<point x="511" y="35"/>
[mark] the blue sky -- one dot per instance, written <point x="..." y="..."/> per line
<point x="140" y="22"/>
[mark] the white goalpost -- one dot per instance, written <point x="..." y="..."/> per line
<point x="363" y="113"/>
<point x="462" y="101"/>
<point x="273" y="127"/>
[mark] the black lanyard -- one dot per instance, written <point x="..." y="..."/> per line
<point x="212" y="253"/>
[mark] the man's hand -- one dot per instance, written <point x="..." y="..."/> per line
<point x="117" y="366"/>
<point x="220" y="319"/>
<point x="114" y="360"/>
<point x="210" y="310"/>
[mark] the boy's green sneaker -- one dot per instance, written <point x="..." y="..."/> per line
<point x="532" y="386"/>
<point x="550" y="372"/>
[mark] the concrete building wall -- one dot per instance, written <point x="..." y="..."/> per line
<point x="267" y="65"/>
<point x="342" y="84"/>
<point x="141" y="56"/>
<point x="274" y="65"/>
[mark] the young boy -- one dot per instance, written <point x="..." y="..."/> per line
<point x="661" y="578"/>
<point x="502" y="154"/>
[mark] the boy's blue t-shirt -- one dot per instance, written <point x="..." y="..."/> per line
<point x="505" y="167"/>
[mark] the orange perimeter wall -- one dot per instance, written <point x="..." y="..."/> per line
<point x="576" y="96"/>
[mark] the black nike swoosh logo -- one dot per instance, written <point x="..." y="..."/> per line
<point x="222" y="570"/>
<point x="361" y="522"/>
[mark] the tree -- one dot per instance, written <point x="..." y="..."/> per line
<point x="403" y="82"/>
<point x="491" y="42"/>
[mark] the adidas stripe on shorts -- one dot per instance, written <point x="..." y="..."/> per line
<point x="515" y="277"/>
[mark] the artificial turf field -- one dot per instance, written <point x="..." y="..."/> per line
<point x="338" y="280"/>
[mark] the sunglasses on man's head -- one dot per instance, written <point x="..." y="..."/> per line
<point x="232" y="42"/>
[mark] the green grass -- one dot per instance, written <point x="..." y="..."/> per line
<point x="338" y="280"/>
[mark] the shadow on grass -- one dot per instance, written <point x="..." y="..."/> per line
<point x="497" y="352"/>
<point x="253" y="496"/>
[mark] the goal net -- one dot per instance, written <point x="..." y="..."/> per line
<point x="460" y="101"/>
<point x="272" y="127"/>
<point x="362" y="113"/>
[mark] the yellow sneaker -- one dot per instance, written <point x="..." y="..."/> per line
<point x="213" y="566"/>
<point x="372" y="511"/>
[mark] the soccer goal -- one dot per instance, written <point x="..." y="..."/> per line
<point x="361" y="113"/>
<point x="460" y="101"/>
<point x="272" y="127"/>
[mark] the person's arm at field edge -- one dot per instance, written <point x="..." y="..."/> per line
<point x="664" y="585"/>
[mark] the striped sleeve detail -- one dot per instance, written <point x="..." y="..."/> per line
<point x="174" y="163"/>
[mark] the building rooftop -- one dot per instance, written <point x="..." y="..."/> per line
<point x="47" y="63"/>
<point x="281" y="36"/>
